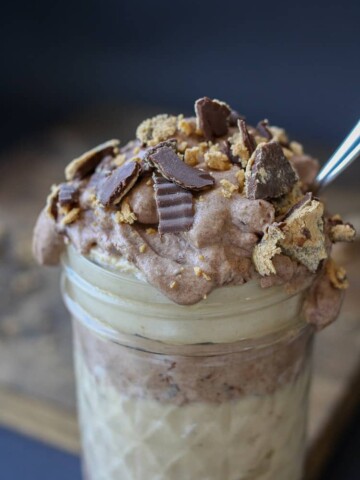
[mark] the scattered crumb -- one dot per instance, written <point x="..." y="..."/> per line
<point x="201" y="257"/>
<point x="173" y="284"/>
<point x="228" y="188"/>
<point x="187" y="126"/>
<point x="151" y="231"/>
<point x="278" y="134"/>
<point x="297" y="148"/>
<point x="71" y="216"/>
<point x="200" y="273"/>
<point x="149" y="182"/>
<point x="200" y="198"/>
<point x="191" y="156"/>
<point x="182" y="146"/>
<point x="157" y="129"/>
<point x="217" y="160"/>
<point x="240" y="176"/>
<point x="125" y="215"/>
<point x="344" y="232"/>
<point x="142" y="248"/>
<point x="288" y="153"/>
<point x="119" y="160"/>
<point x="136" y="150"/>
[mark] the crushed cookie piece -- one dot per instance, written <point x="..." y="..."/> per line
<point x="173" y="284"/>
<point x="192" y="155"/>
<point x="343" y="232"/>
<point x="200" y="273"/>
<point x="337" y="275"/>
<point x="240" y="176"/>
<point x="228" y="188"/>
<point x="142" y="248"/>
<point x="212" y="117"/>
<point x="71" y="216"/>
<point x="119" y="160"/>
<point x="217" y="160"/>
<point x="85" y="164"/>
<point x="279" y="135"/>
<point x="288" y="153"/>
<point x="268" y="173"/>
<point x="182" y="146"/>
<point x="201" y="257"/>
<point x="151" y="231"/>
<point x="157" y="129"/>
<point x="268" y="247"/>
<point x="296" y="148"/>
<point x="51" y="201"/>
<point x="187" y="126"/>
<point x="125" y="215"/>
<point x="197" y="271"/>
<point x="149" y="182"/>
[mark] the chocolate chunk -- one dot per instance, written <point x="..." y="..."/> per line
<point x="118" y="184"/>
<point x="247" y="139"/>
<point x="68" y="195"/>
<point x="234" y="117"/>
<point x="268" y="173"/>
<point x="226" y="148"/>
<point x="166" y="161"/>
<point x="85" y="164"/>
<point x="212" y="117"/>
<point x="174" y="204"/>
<point x="262" y="128"/>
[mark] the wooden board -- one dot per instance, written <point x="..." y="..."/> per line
<point x="37" y="390"/>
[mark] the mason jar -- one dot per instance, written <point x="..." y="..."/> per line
<point x="213" y="391"/>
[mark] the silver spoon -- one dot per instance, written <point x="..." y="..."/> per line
<point x="348" y="151"/>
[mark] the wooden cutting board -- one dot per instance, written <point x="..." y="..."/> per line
<point x="37" y="390"/>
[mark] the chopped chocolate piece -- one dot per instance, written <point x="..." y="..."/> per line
<point x="212" y="117"/>
<point x="234" y="117"/>
<point x="268" y="173"/>
<point x="82" y="166"/>
<point x="118" y="184"/>
<point x="175" y="206"/>
<point x="247" y="139"/>
<point x="167" y="162"/>
<point x="226" y="148"/>
<point x="262" y="128"/>
<point x="68" y="195"/>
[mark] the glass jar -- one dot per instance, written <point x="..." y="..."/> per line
<point x="213" y="391"/>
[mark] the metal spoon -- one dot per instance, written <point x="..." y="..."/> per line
<point x="348" y="151"/>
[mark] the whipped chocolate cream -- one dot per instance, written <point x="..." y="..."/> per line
<point x="242" y="221"/>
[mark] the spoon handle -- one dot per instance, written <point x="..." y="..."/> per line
<point x="348" y="151"/>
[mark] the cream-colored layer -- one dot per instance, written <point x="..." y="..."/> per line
<point x="115" y="262"/>
<point x="254" y="438"/>
<point x="132" y="306"/>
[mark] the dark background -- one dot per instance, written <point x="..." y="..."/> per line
<point x="296" y="63"/>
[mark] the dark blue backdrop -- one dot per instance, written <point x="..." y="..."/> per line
<point x="295" y="62"/>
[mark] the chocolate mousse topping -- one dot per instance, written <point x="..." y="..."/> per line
<point x="175" y="206"/>
<point x="268" y="173"/>
<point x="168" y="163"/>
<point x="197" y="204"/>
<point x="119" y="183"/>
<point x="212" y="117"/>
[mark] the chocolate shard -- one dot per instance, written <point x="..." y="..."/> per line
<point x="226" y="148"/>
<point x="164" y="158"/>
<point x="268" y="173"/>
<point x="212" y="117"/>
<point x="234" y="117"/>
<point x="174" y="204"/>
<point x="85" y="164"/>
<point x="68" y="195"/>
<point x="119" y="183"/>
<point x="246" y="137"/>
<point x="263" y="130"/>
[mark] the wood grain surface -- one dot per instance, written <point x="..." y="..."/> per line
<point x="37" y="389"/>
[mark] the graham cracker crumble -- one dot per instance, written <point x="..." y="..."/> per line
<point x="151" y="231"/>
<point x="228" y="188"/>
<point x="200" y="273"/>
<point x="125" y="215"/>
<point x="279" y="134"/>
<point x="343" y="232"/>
<point x="297" y="148"/>
<point x="238" y="148"/>
<point x="71" y="216"/>
<point x="192" y="155"/>
<point x="142" y="248"/>
<point x="240" y="176"/>
<point x="157" y="129"/>
<point x="217" y="160"/>
<point x="173" y="284"/>
<point x="186" y="125"/>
